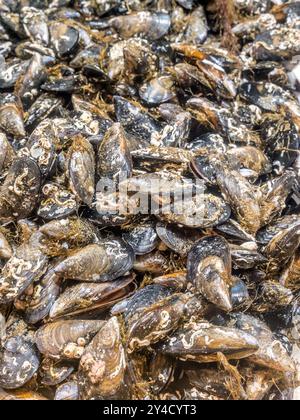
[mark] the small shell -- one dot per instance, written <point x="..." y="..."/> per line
<point x="143" y="239"/>
<point x="67" y="392"/>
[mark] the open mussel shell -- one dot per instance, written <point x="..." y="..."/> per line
<point x="66" y="339"/>
<point x="19" y="361"/>
<point x="91" y="298"/>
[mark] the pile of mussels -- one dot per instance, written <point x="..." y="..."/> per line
<point x="97" y="304"/>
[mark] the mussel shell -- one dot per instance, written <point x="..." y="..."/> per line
<point x="155" y="323"/>
<point x="239" y="293"/>
<point x="283" y="246"/>
<point x="28" y="87"/>
<point x="155" y="263"/>
<point x="43" y="107"/>
<point x="35" y="25"/>
<point x="67" y="84"/>
<point x="19" y="361"/>
<point x="151" y="25"/>
<point x="104" y="262"/>
<point x="271" y="296"/>
<point x="202" y="342"/>
<point x="27" y="264"/>
<point x="103" y="364"/>
<point x="7" y="152"/>
<point x="54" y="373"/>
<point x="82" y="169"/>
<point x="41" y="146"/>
<point x="209" y="270"/>
<point x="43" y="297"/>
<point x="142" y="239"/>
<point x="66" y="339"/>
<point x="211" y="246"/>
<point x="271" y="352"/>
<point x="19" y="192"/>
<point x="114" y="159"/>
<point x="202" y="211"/>
<point x="134" y="121"/>
<point x="12" y="72"/>
<point x="197" y="29"/>
<point x="144" y="298"/>
<point x="57" y="203"/>
<point x="67" y="392"/>
<point x="11" y="115"/>
<point x="157" y="91"/>
<point x="178" y="239"/>
<point x="64" y="38"/>
<point x="245" y="258"/>
<point x="232" y="229"/>
<point x="265" y="235"/>
<point x="277" y="44"/>
<point x="91" y="298"/>
<point x="176" y="281"/>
